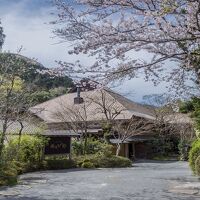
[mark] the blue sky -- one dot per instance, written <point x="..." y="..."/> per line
<point x="25" y="23"/>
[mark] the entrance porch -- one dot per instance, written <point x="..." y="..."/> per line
<point x="134" y="148"/>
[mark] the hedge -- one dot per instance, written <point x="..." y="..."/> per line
<point x="197" y="166"/>
<point x="55" y="164"/>
<point x="194" y="154"/>
<point x="102" y="161"/>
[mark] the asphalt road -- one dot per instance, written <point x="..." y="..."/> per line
<point x="145" y="181"/>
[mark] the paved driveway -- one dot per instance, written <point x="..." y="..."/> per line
<point x="145" y="181"/>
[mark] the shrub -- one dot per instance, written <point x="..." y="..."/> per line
<point x="55" y="164"/>
<point x="8" y="174"/>
<point x="84" y="159"/>
<point x="87" y="164"/>
<point x="106" y="150"/>
<point x="20" y="167"/>
<point x="113" y="161"/>
<point x="103" y="158"/>
<point x="183" y="147"/>
<point x="197" y="166"/>
<point x="92" y="146"/>
<point x="194" y="153"/>
<point x="29" y="152"/>
<point x="102" y="161"/>
<point x="164" y="145"/>
<point x="77" y="147"/>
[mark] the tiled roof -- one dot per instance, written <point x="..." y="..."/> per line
<point x="49" y="111"/>
<point x="14" y="127"/>
<point x="50" y="132"/>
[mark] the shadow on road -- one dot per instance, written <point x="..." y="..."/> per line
<point x="155" y="161"/>
<point x="67" y="170"/>
<point x="22" y="198"/>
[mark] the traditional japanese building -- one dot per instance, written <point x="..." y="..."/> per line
<point x="82" y="111"/>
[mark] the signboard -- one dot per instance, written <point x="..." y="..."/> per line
<point x="58" y="145"/>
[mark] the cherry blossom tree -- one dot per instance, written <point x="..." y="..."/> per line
<point x="112" y="30"/>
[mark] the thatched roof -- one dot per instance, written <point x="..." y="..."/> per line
<point x="49" y="110"/>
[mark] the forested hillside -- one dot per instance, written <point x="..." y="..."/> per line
<point x="44" y="82"/>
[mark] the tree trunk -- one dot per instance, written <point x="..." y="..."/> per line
<point x="19" y="139"/>
<point x="85" y="144"/>
<point x="20" y="133"/>
<point x="118" y="149"/>
<point x="3" y="135"/>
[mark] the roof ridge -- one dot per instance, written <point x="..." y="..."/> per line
<point x="39" y="104"/>
<point x="109" y="90"/>
<point x="54" y="98"/>
<point x="128" y="101"/>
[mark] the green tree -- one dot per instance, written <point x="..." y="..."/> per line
<point x="192" y="107"/>
<point x="37" y="75"/>
<point x="13" y="101"/>
<point x="39" y="97"/>
<point x="44" y="83"/>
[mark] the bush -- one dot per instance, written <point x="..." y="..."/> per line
<point x="20" y="167"/>
<point x="19" y="158"/>
<point x="102" y="161"/>
<point x="84" y="159"/>
<point x="103" y="158"/>
<point x="87" y="164"/>
<point x="194" y="154"/>
<point x="183" y="147"/>
<point x="29" y="152"/>
<point x="92" y="146"/>
<point x="106" y="150"/>
<point x="77" y="147"/>
<point x="8" y="174"/>
<point x="113" y="161"/>
<point x="55" y="164"/>
<point x="197" y="166"/>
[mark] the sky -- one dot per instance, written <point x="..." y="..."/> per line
<point x="26" y="24"/>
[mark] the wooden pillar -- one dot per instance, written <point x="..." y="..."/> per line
<point x="133" y="146"/>
<point x="126" y="150"/>
<point x="70" y="150"/>
<point x="43" y="154"/>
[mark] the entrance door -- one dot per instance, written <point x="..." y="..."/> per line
<point x="130" y="151"/>
<point x="141" y="150"/>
